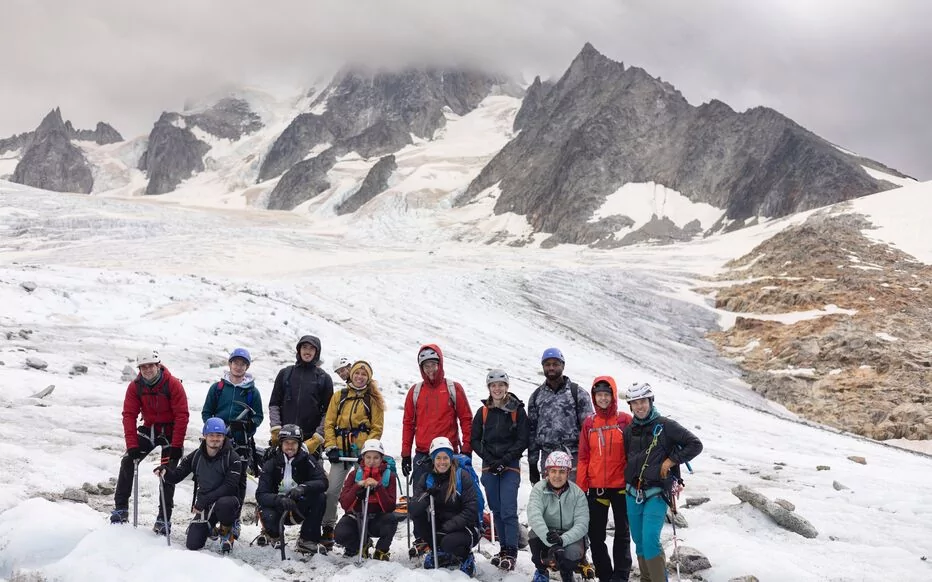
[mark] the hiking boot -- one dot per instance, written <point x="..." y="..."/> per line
<point x="586" y="570"/>
<point x="237" y="526"/>
<point x="497" y="558"/>
<point x="468" y="566"/>
<point x="507" y="559"/>
<point x="310" y="547"/>
<point x="161" y="527"/>
<point x="226" y="539"/>
<point x="541" y="576"/>
<point x="214" y="532"/>
<point x="419" y="548"/>
<point x="119" y="516"/>
<point x="267" y="539"/>
<point x="381" y="556"/>
<point x="326" y="537"/>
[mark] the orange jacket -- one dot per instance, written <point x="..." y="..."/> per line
<point x="601" y="444"/>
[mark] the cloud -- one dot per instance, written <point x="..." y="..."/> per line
<point x="853" y="71"/>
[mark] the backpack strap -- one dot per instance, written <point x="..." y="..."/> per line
<point x="366" y="403"/>
<point x="451" y="392"/>
<point x="574" y="391"/>
<point x="165" y="390"/>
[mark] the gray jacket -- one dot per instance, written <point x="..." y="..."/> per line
<point x="552" y="423"/>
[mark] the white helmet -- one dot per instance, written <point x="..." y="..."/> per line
<point x="148" y="357"/>
<point x="559" y="460"/>
<point x="372" y="445"/>
<point x="427" y="354"/>
<point x="341" y="362"/>
<point x="440" y="443"/>
<point x="639" y="391"/>
<point x="496" y="376"/>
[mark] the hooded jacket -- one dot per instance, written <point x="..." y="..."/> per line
<point x="352" y="416"/>
<point x="225" y="400"/>
<point x="166" y="413"/>
<point x="304" y="470"/>
<point x="601" y="461"/>
<point x="381" y="499"/>
<point x="458" y="512"/>
<point x="435" y="415"/>
<point x="567" y="512"/>
<point x="302" y="393"/>
<point x="646" y="457"/>
<point x="500" y="439"/>
<point x="216" y="476"/>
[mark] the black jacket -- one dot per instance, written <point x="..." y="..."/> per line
<point x="461" y="511"/>
<point x="304" y="469"/>
<point x="301" y="394"/>
<point x="673" y="442"/>
<point x="216" y="477"/>
<point x="500" y="439"/>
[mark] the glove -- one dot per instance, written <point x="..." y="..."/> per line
<point x="287" y="504"/>
<point x="313" y="443"/>
<point x="333" y="455"/>
<point x="175" y="453"/>
<point x="273" y="440"/>
<point x="434" y="489"/>
<point x="499" y="469"/>
<point x="135" y="454"/>
<point x="665" y="467"/>
<point x="297" y="492"/>
<point x="555" y="539"/>
<point x="406" y="466"/>
<point x="160" y="471"/>
<point x="535" y="473"/>
<point x="361" y="493"/>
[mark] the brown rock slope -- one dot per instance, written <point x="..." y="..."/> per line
<point x="869" y="372"/>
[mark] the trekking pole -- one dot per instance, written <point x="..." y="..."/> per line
<point x="492" y="525"/>
<point x="168" y="522"/>
<point x="408" y="503"/>
<point x="281" y="534"/>
<point x="362" y="529"/>
<point x="433" y="533"/>
<point x="135" y="492"/>
<point x="676" y="550"/>
<point x="348" y="459"/>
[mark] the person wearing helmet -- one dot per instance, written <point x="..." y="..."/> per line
<point x="301" y="394"/>
<point x="600" y="474"/>
<point x="499" y="437"/>
<point x="654" y="448"/>
<point x="237" y="401"/>
<point x="355" y="414"/>
<point x="377" y="473"/>
<point x="550" y="427"/>
<point x="558" y="515"/>
<point x="341" y="367"/>
<point x="217" y="468"/>
<point x="433" y="407"/>
<point x="292" y="485"/>
<point x="162" y="401"/>
<point x="456" y="509"/>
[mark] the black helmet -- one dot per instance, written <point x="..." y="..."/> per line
<point x="290" y="431"/>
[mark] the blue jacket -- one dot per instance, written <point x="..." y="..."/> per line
<point x="225" y="400"/>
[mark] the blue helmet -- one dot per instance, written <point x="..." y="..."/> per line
<point x="240" y="353"/>
<point x="552" y="353"/>
<point x="215" y="426"/>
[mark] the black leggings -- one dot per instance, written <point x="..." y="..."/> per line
<point x="225" y="511"/>
<point x="381" y="526"/>
<point x="459" y="543"/>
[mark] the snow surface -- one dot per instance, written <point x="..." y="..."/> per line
<point x="115" y="275"/>
<point x="878" y="175"/>
<point x="641" y="201"/>
<point x="901" y="217"/>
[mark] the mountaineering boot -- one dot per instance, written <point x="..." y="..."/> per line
<point x="381" y="556"/>
<point x="161" y="527"/>
<point x="443" y="560"/>
<point x="118" y="516"/>
<point x="237" y="526"/>
<point x="541" y="576"/>
<point x="226" y="539"/>
<point x="419" y="548"/>
<point x="309" y="547"/>
<point x="326" y="537"/>
<point x="468" y="566"/>
<point x="508" y="558"/>
<point x="586" y="570"/>
<point x="642" y="568"/>
<point x="657" y="567"/>
<point x="497" y="558"/>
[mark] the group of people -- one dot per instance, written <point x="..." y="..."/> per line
<point x="584" y="461"/>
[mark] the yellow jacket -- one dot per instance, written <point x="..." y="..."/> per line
<point x="352" y="416"/>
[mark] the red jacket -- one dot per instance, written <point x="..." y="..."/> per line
<point x="381" y="499"/>
<point x="435" y="415"/>
<point x="601" y="444"/>
<point x="157" y="409"/>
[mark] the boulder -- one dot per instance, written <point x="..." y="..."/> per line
<point x="36" y="363"/>
<point x="859" y="460"/>
<point x="696" y="501"/>
<point x="786" y="519"/>
<point x="75" y="494"/>
<point x="91" y="489"/>
<point x="29" y="286"/>
<point x="689" y="559"/>
<point x="838" y="486"/>
<point x="785" y="504"/>
<point x="78" y="369"/>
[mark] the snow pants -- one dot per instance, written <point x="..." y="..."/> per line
<point x="381" y="526"/>
<point x="338" y="472"/>
<point x="646" y="522"/>
<point x="149" y="438"/>
<point x="566" y="558"/>
<point x="420" y="466"/>
<point x="225" y="511"/>
<point x="311" y="507"/>
<point x="501" y="493"/>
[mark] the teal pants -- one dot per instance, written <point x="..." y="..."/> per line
<point x="645" y="521"/>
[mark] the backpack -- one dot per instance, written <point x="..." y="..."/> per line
<point x="195" y="458"/>
<point x="574" y="392"/>
<point x="485" y="415"/>
<point x="451" y="390"/>
<point x="386" y="476"/>
<point x="219" y="389"/>
<point x="366" y="403"/>
<point x="464" y="465"/>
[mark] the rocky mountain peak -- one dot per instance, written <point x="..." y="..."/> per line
<point x="50" y="161"/>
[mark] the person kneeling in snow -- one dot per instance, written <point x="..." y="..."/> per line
<point x="375" y="477"/>
<point x="291" y="492"/>
<point x="558" y="514"/>
<point x="217" y="469"/>
<point x="456" y="510"/>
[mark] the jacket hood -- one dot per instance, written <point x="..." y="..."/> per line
<point x="511" y="403"/>
<point x="440" y="375"/>
<point x="612" y="409"/>
<point x="308" y="339"/>
<point x="248" y="380"/>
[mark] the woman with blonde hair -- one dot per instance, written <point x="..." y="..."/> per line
<point x="355" y="414"/>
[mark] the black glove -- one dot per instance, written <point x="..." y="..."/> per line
<point x="406" y="466"/>
<point x="135" y="454"/>
<point x="287" y="504"/>
<point x="333" y="455"/>
<point x="175" y="453"/>
<point x="361" y="493"/>
<point x="534" y="472"/>
<point x="434" y="490"/>
<point x="200" y="504"/>
<point x="499" y="469"/>
<point x="554" y="539"/>
<point x="297" y="492"/>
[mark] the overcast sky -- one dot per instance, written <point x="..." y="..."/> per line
<point x="857" y="72"/>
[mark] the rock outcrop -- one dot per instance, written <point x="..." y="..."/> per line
<point x="103" y="134"/>
<point x="302" y="182"/>
<point x="786" y="519"/>
<point x="375" y="183"/>
<point x="173" y="154"/>
<point x="602" y="125"/>
<point x="50" y="161"/>
<point x="230" y="118"/>
<point x="302" y="134"/>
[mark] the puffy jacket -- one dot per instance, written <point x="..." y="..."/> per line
<point x="552" y="423"/>
<point x="435" y="415"/>
<point x="216" y="476"/>
<point x="351" y="416"/>
<point x="301" y="394"/>
<point x="225" y="400"/>
<point x="500" y="438"/>
<point x="381" y="499"/>
<point x="167" y="413"/>
<point x="673" y="442"/>
<point x="304" y="470"/>
<point x="601" y="444"/>
<point x="567" y="512"/>
<point x="461" y="511"/>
